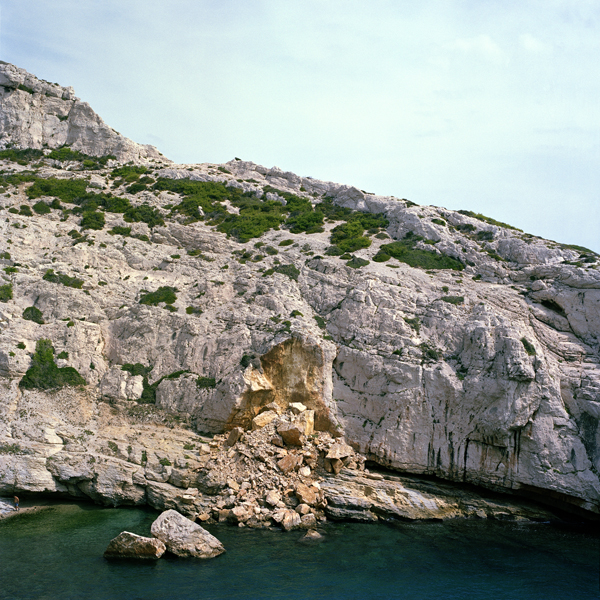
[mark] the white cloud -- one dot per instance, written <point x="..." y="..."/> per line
<point x="532" y="44"/>
<point x="482" y="45"/>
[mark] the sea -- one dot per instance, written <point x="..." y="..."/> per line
<point x="57" y="554"/>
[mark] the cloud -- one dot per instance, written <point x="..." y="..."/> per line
<point x="483" y="46"/>
<point x="532" y="44"/>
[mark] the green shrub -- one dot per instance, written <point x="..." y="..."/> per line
<point x="414" y="322"/>
<point x="438" y="222"/>
<point x="290" y="270"/>
<point x="405" y="252"/>
<point x="466" y="227"/>
<point x="320" y="322"/>
<point x="356" y="263"/>
<point x="489" y="220"/>
<point x="206" y="382"/>
<point x="136" y="369"/>
<point x="31" y="313"/>
<point x="65" y="189"/>
<point x="21" y="346"/>
<point x="334" y="251"/>
<point x="9" y="270"/>
<point x="453" y="299"/>
<point x="381" y="257"/>
<point x="144" y="214"/>
<point x="287" y="242"/>
<point x="445" y="289"/>
<point x="296" y="313"/>
<point x="6" y="292"/>
<point x="5" y="255"/>
<point x="41" y="208"/>
<point x="192" y="310"/>
<point x="164" y="294"/>
<point x="44" y="374"/>
<point x="118" y="230"/>
<point x="22" y="157"/>
<point x="529" y="348"/>
<point x="128" y="173"/>
<point x="165" y="462"/>
<point x="64" y="355"/>
<point x="270" y="250"/>
<point x="25" y="211"/>
<point x="429" y="352"/>
<point x="135" y="188"/>
<point x="486" y="236"/>
<point x="66" y="280"/>
<point x="93" y="220"/>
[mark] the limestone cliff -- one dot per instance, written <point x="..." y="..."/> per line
<point x="39" y="114"/>
<point x="190" y="297"/>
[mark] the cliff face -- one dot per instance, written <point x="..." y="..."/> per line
<point x="479" y="363"/>
<point x="38" y="114"/>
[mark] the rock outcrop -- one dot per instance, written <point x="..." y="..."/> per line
<point x="38" y="114"/>
<point x="130" y="545"/>
<point x="184" y="537"/>
<point x="428" y="341"/>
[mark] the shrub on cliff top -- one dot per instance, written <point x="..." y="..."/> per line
<point x="31" y="313"/>
<point x="44" y="374"/>
<point x="164" y="294"/>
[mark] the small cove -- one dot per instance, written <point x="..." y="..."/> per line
<point x="57" y="553"/>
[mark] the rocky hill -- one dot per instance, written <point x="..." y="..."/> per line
<point x="149" y="309"/>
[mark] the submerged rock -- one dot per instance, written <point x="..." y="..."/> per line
<point x="184" y="537"/>
<point x="130" y="545"/>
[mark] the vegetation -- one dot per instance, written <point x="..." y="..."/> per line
<point x="320" y="322"/>
<point x="44" y="374"/>
<point x="290" y="270"/>
<point x="41" y="208"/>
<point x="356" y="262"/>
<point x="66" y="154"/>
<point x="453" y="299"/>
<point x="206" y="382"/>
<point x="414" y="322"/>
<point x="31" y="313"/>
<point x="144" y="214"/>
<point x="6" y="292"/>
<point x="66" y="280"/>
<point x="93" y="220"/>
<point x="529" y="348"/>
<point x="429" y="351"/>
<point x="68" y="190"/>
<point x="405" y="252"/>
<point x="21" y="157"/>
<point x="489" y="220"/>
<point x="438" y="222"/>
<point x="164" y="294"/>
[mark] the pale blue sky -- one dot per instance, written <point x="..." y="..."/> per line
<point x="485" y="105"/>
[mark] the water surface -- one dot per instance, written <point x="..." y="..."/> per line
<point x="57" y="554"/>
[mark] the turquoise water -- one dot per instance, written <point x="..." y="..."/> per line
<point x="57" y="554"/>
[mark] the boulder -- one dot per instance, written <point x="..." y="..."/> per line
<point x="305" y="494"/>
<point x="312" y="535"/>
<point x="289" y="519"/>
<point x="297" y="407"/>
<point x="263" y="419"/>
<point x="130" y="545"/>
<point x="340" y="450"/>
<point x="234" y="435"/>
<point x="308" y="521"/>
<point x="291" y="433"/>
<point x="184" y="537"/>
<point x="288" y="463"/>
<point x="306" y="421"/>
<point x="273" y="498"/>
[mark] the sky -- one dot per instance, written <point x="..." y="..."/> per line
<point x="491" y="106"/>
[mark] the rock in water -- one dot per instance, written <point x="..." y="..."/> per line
<point x="130" y="545"/>
<point x="184" y="537"/>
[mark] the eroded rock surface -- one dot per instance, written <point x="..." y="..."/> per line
<point x="488" y="374"/>
<point x="130" y="545"/>
<point x="184" y="537"/>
